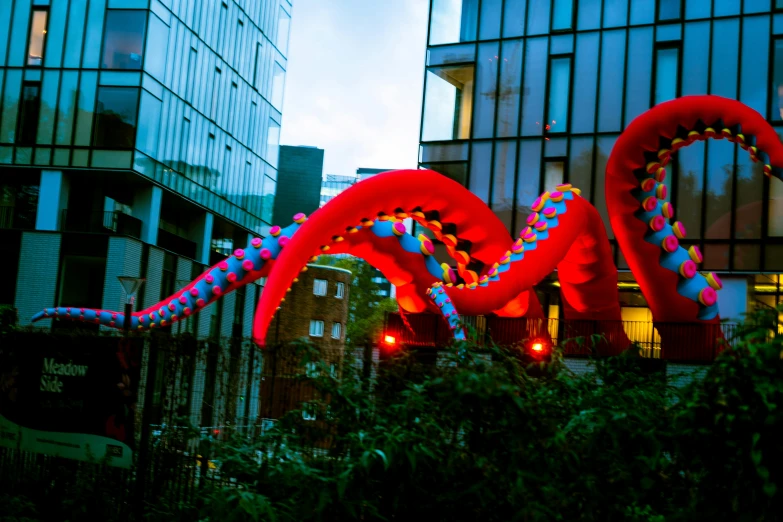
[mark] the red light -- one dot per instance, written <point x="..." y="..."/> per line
<point x="389" y="339"/>
<point x="217" y="431"/>
<point x="537" y="347"/>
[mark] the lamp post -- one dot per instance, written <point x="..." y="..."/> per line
<point x="131" y="285"/>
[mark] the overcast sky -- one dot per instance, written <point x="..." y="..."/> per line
<point x="354" y="81"/>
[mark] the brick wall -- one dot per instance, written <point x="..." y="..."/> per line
<point x="36" y="281"/>
<point x="299" y="174"/>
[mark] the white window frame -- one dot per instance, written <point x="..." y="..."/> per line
<point x="316" y="328"/>
<point x="340" y="292"/>
<point x="339" y="328"/>
<point x="320" y="286"/>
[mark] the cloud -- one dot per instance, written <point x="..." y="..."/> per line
<point x="354" y="82"/>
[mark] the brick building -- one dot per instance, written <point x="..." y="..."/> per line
<point x="299" y="175"/>
<point x="316" y="309"/>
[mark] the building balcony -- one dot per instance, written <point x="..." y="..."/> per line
<point x="100" y="222"/>
<point x="12" y="216"/>
<point x="576" y="338"/>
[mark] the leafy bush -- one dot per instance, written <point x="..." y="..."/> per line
<point x="474" y="440"/>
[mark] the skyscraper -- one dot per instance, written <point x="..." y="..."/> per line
<point x="137" y="138"/>
<point x="521" y="95"/>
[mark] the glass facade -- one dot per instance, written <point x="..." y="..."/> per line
<point x="186" y="94"/>
<point x="523" y="94"/>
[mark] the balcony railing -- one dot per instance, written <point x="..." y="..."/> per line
<point x="100" y="222"/>
<point x="691" y="342"/>
<point x="12" y="216"/>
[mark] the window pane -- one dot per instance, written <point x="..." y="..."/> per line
<point x="755" y="62"/>
<point x="509" y="92"/>
<point x="283" y="26"/>
<point x="585" y="82"/>
<point x="490" y="19"/>
<point x="448" y="103"/>
<point x="479" y="170"/>
<point x="278" y="84"/>
<point x="690" y="187"/>
<point x="666" y="74"/>
<point x="453" y="21"/>
<point x="554" y="173"/>
<point x="611" y="87"/>
<point x="115" y="117"/>
<point x="562" y="14"/>
<point x="559" y="87"/>
<point x="589" y="15"/>
<point x="775" y="219"/>
<point x="639" y="71"/>
<point x="615" y="13"/>
<point x="580" y="172"/>
<point x="776" y="112"/>
<point x="503" y="181"/>
<point x="668" y="9"/>
<point x="720" y="169"/>
<point x="534" y="86"/>
<point x="750" y="194"/>
<point x="538" y="17"/>
<point x="158" y="43"/>
<point x="486" y="91"/>
<point x="528" y="175"/>
<point x="696" y="46"/>
<point x="514" y="18"/>
<point x="124" y="39"/>
<point x="273" y="143"/>
<point x="35" y="51"/>
<point x="30" y="108"/>
<point x="725" y="58"/>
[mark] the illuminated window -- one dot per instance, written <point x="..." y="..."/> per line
<point x="448" y="103"/>
<point x="123" y="40"/>
<point x="37" y="45"/>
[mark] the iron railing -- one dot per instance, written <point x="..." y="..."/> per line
<point x="685" y="341"/>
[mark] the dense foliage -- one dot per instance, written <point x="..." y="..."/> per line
<point x="470" y="440"/>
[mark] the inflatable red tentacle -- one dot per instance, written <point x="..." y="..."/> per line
<point x="563" y="223"/>
<point x="640" y="216"/>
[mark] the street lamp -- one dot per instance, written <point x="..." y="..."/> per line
<point x="131" y="285"/>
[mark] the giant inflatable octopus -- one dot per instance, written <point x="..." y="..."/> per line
<point x="495" y="274"/>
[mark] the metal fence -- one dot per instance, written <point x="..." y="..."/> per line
<point x="201" y="392"/>
<point x="689" y="342"/>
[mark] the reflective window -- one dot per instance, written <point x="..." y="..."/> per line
<point x="448" y="103"/>
<point x="283" y="27"/>
<point x="538" y="17"/>
<point x="638" y="73"/>
<point x="319" y="286"/>
<point x="316" y="328"/>
<point x="589" y="14"/>
<point x="696" y="46"/>
<point x="689" y="163"/>
<point x="37" y="45"/>
<point x="580" y="165"/>
<point x="562" y="15"/>
<point x="29" y="111"/>
<point x="666" y="74"/>
<point x="514" y="18"/>
<point x="273" y="143"/>
<point x="775" y="219"/>
<point x="509" y="91"/>
<point x="115" y="117"/>
<point x="755" y="62"/>
<point x="480" y="165"/>
<point x="278" y="85"/>
<point x="453" y="21"/>
<point x="490" y="19"/>
<point x="725" y="58"/>
<point x="611" y="84"/>
<point x="776" y="112"/>
<point x="726" y="8"/>
<point x="486" y="91"/>
<point x="720" y="170"/>
<point x="585" y="82"/>
<point x="669" y="9"/>
<point x="559" y="89"/>
<point x="158" y="43"/>
<point x="528" y="179"/>
<point x="336" y="331"/>
<point x="554" y="174"/>
<point x="748" y="199"/>
<point x="534" y="86"/>
<point x="503" y="181"/>
<point x="615" y="13"/>
<point x="123" y="40"/>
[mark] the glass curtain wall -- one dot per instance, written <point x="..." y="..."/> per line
<point x="524" y="94"/>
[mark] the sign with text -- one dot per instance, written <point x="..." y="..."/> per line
<point x="69" y="396"/>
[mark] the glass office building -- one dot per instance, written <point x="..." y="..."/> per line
<point x="147" y="129"/>
<point x="521" y="95"/>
